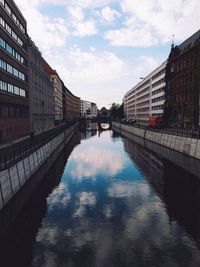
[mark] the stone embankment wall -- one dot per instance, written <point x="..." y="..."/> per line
<point x="185" y="145"/>
<point x="12" y="179"/>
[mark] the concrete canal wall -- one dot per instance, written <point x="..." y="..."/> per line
<point x="185" y="145"/>
<point x="13" y="178"/>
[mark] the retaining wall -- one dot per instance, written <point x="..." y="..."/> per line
<point x="12" y="179"/>
<point x="185" y="145"/>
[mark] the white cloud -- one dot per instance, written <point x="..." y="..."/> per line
<point x="87" y="198"/>
<point x="162" y="18"/>
<point x="46" y="33"/>
<point x="126" y="190"/>
<point x="131" y="37"/>
<point x="91" y="162"/>
<point x="108" y="14"/>
<point x="76" y="13"/>
<point x="85" y="28"/>
<point x="60" y="196"/>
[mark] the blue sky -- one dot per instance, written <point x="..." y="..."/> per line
<point x="101" y="48"/>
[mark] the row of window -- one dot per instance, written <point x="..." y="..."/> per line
<point x="10" y="88"/>
<point x="11" y="51"/>
<point x="160" y="107"/>
<point x="160" y="98"/>
<point x="158" y="83"/>
<point x="12" y="15"/>
<point x="158" y="74"/>
<point x="158" y="91"/>
<point x="13" y="111"/>
<point x="11" y="32"/>
<point x="10" y="69"/>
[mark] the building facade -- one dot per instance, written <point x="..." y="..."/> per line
<point x="72" y="106"/>
<point x="58" y="94"/>
<point x="40" y="92"/>
<point x="183" y="84"/>
<point x="147" y="98"/>
<point x="88" y="109"/>
<point x="94" y="109"/>
<point x="14" y="97"/>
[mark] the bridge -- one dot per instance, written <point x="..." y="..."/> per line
<point x="85" y="123"/>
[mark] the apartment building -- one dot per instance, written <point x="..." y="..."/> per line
<point x="94" y="109"/>
<point x="88" y="109"/>
<point x="58" y="93"/>
<point x="71" y="109"/>
<point x="147" y="97"/>
<point x="182" y="88"/>
<point x="14" y="100"/>
<point x="40" y="92"/>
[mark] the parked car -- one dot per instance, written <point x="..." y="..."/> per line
<point x="131" y="121"/>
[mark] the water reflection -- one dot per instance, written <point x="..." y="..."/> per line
<point x="118" y="212"/>
<point x="20" y="220"/>
<point x="117" y="204"/>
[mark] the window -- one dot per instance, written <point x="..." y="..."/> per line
<point x="2" y="64"/>
<point x="10" y="88"/>
<point x="2" y="22"/>
<point x="2" y="2"/>
<point x="12" y="70"/>
<point x="16" y="90"/>
<point x="3" y="86"/>
<point x="7" y="8"/>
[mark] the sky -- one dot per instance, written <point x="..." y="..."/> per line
<point x="101" y="48"/>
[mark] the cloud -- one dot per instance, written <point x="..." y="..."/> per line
<point x="131" y="37"/>
<point x="87" y="198"/>
<point x="108" y="14"/>
<point x="86" y="28"/>
<point x="161" y="18"/>
<point x="126" y="190"/>
<point x="60" y="196"/>
<point x="48" y="33"/>
<point x="91" y="162"/>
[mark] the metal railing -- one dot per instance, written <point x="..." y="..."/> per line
<point x="184" y="132"/>
<point x="13" y="152"/>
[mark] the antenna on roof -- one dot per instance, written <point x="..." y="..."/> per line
<point x="172" y="41"/>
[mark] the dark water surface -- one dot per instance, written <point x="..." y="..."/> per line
<point x="112" y="204"/>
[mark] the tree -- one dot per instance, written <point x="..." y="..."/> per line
<point x="117" y="111"/>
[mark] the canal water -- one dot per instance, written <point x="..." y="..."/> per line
<point x="106" y="202"/>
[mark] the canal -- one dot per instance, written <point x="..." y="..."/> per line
<point x="106" y="202"/>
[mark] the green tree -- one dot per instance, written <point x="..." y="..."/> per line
<point x="117" y="111"/>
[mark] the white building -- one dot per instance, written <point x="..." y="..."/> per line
<point x="88" y="109"/>
<point x="147" y="97"/>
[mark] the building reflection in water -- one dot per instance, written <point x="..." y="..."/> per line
<point x="20" y="220"/>
<point x="179" y="189"/>
<point x="112" y="207"/>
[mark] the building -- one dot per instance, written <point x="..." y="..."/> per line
<point x="85" y="108"/>
<point x="71" y="109"/>
<point x="88" y="109"/>
<point x="40" y="92"/>
<point x="94" y="110"/>
<point x="14" y="100"/>
<point x="183" y="84"/>
<point x="147" y="97"/>
<point x="58" y="93"/>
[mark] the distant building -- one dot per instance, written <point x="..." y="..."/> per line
<point x="94" y="109"/>
<point x="183" y="84"/>
<point x="58" y="93"/>
<point x="40" y="92"/>
<point x="88" y="109"/>
<point x="147" y="97"/>
<point x="14" y="102"/>
<point x="72" y="106"/>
